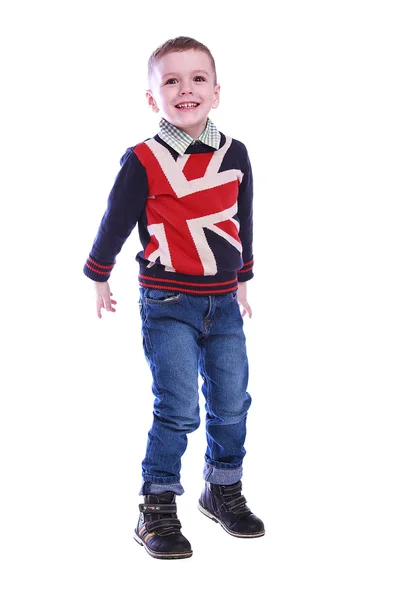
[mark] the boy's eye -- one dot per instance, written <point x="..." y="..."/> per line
<point x="200" y="77"/>
<point x="171" y="80"/>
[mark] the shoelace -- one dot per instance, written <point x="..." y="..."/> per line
<point x="233" y="499"/>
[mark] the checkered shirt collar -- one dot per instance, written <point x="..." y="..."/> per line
<point x="180" y="141"/>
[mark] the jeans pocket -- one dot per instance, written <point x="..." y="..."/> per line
<point x="158" y="296"/>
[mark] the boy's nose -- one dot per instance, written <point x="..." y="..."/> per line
<point x="186" y="89"/>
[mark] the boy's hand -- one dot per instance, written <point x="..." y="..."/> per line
<point x="242" y="298"/>
<point x="103" y="297"/>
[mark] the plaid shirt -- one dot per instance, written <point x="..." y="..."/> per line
<point x="180" y="141"/>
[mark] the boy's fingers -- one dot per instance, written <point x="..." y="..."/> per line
<point x="109" y="304"/>
<point x="105" y="303"/>
<point x="246" y="309"/>
<point x="99" y="307"/>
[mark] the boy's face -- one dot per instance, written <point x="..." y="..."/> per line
<point x="182" y="78"/>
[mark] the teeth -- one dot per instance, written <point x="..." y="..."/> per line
<point x="187" y="105"/>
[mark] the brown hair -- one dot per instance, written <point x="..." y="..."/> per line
<point x="179" y="44"/>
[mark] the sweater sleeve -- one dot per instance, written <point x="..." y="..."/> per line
<point x="126" y="203"/>
<point x="245" y="214"/>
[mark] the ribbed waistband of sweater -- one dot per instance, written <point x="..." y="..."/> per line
<point x="221" y="283"/>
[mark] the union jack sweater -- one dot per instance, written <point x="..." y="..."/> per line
<point x="194" y="214"/>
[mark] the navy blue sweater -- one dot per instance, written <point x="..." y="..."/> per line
<point x="194" y="214"/>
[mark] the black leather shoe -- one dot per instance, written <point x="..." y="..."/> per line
<point x="226" y="505"/>
<point x="159" y="529"/>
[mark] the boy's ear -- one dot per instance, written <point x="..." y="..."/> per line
<point x="217" y="90"/>
<point x="151" y="101"/>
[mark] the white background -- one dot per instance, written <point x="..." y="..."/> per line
<point x="312" y="89"/>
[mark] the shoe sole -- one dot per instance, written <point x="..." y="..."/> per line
<point x="162" y="555"/>
<point x="205" y="512"/>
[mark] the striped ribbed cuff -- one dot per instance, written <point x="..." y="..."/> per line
<point x="246" y="272"/>
<point x="96" y="271"/>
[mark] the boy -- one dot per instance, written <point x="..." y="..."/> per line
<point x="189" y="189"/>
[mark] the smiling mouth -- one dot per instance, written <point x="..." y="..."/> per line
<point x="187" y="105"/>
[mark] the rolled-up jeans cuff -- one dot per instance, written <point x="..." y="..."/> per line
<point x="148" y="487"/>
<point x="222" y="476"/>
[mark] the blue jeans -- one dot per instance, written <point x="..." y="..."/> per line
<point x="184" y="334"/>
